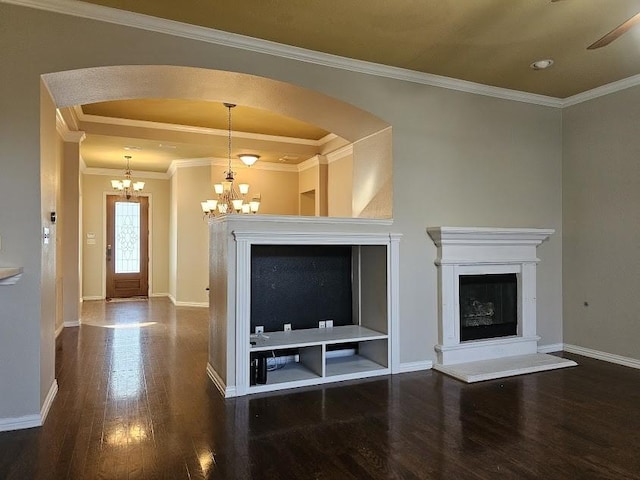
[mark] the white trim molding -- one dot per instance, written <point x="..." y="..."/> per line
<point x="178" y="303"/>
<point x="312" y="162"/>
<point x="339" y="153"/>
<point x="602" y="91"/>
<point x="48" y="401"/>
<point x="59" y="331"/>
<point x="174" y="127"/>
<point x="75" y="323"/>
<point x="34" y="420"/>
<point x="191" y="304"/>
<point x="408" y="367"/>
<point x="113" y="172"/>
<point x="91" y="298"/>
<point x="218" y="37"/>
<point x="19" y="423"/>
<point x="604" y="356"/>
<point x="553" y="347"/>
<point x="226" y="392"/>
<point x="67" y="134"/>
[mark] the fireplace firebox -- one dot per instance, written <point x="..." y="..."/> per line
<point x="488" y="306"/>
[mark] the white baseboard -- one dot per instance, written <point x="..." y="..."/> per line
<point x="554" y="347"/>
<point x="31" y="421"/>
<point x="59" y="330"/>
<point x="178" y="303"/>
<point x="413" y="366"/>
<point x="75" y="323"/>
<point x="90" y="298"/>
<point x="226" y="392"/>
<point x="192" y="304"/>
<point x="598" y="355"/>
<point x="48" y="401"/>
<point x="19" y="423"/>
<point x="154" y="295"/>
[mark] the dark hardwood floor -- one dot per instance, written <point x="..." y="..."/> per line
<point x="135" y="402"/>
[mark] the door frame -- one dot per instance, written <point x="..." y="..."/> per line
<point x="103" y="263"/>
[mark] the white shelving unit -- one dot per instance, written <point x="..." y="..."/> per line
<point x="315" y="364"/>
<point x="366" y="348"/>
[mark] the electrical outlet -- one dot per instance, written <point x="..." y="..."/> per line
<point x="329" y="323"/>
<point x="321" y="324"/>
<point x="287" y="327"/>
<point x="259" y="329"/>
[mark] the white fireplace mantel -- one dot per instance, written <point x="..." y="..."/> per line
<point x="485" y="251"/>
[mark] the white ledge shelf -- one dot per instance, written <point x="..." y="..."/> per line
<point x="10" y="275"/>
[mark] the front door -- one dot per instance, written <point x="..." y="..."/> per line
<point x="127" y="247"/>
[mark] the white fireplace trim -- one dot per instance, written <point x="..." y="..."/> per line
<point x="485" y="251"/>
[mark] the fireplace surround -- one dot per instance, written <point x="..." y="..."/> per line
<point x="465" y="252"/>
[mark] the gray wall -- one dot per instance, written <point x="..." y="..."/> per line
<point x="459" y="159"/>
<point x="601" y="207"/>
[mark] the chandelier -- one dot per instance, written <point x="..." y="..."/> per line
<point x="229" y="199"/>
<point x="126" y="187"/>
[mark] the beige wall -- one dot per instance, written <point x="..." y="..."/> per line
<point x="458" y="159"/>
<point x="192" y="249"/>
<point x="69" y="221"/>
<point x="373" y="176"/>
<point x="93" y="268"/>
<point x="340" y="190"/>
<point x="312" y="189"/>
<point x="277" y="188"/>
<point x="601" y="240"/>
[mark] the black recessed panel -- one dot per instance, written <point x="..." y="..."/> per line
<point x="301" y="285"/>
<point x="488" y="306"/>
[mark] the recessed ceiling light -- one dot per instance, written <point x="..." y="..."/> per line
<point x="541" y="64"/>
<point x="132" y="148"/>
<point x="165" y="145"/>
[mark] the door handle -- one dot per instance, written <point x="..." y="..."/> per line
<point x="108" y="253"/>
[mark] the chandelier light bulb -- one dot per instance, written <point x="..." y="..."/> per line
<point x="231" y="199"/>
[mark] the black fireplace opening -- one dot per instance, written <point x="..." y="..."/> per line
<point x="488" y="306"/>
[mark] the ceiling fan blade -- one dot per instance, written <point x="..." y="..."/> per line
<point x="615" y="33"/>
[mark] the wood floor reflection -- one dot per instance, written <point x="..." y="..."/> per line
<point x="134" y="401"/>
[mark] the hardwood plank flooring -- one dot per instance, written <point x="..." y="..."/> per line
<point x="134" y="402"/>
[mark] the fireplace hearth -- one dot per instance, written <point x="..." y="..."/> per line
<point x="487" y="290"/>
<point x="487" y="303"/>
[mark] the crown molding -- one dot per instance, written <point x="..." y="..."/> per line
<point x="327" y="138"/>
<point x="269" y="166"/>
<point x="340" y="153"/>
<point x="112" y="172"/>
<point x="312" y="162"/>
<point x="234" y="40"/>
<point x="189" y="162"/>
<point x="218" y="37"/>
<point x="223" y="162"/>
<point x="602" y="91"/>
<point x="63" y="130"/>
<point x="126" y="122"/>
